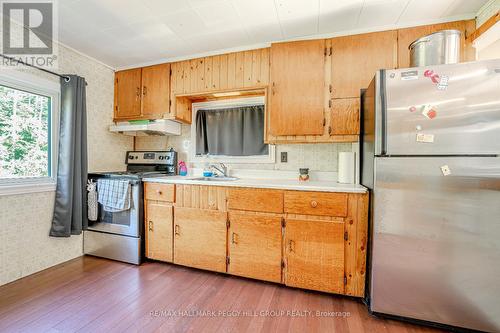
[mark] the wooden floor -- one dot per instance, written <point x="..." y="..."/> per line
<point x="97" y="295"/>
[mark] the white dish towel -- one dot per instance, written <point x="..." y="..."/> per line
<point x="92" y="208"/>
<point x="114" y="194"/>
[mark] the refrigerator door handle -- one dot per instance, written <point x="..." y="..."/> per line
<point x="378" y="112"/>
<point x="383" y="112"/>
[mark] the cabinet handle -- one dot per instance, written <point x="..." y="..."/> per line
<point x="144" y="90"/>
<point x="234" y="238"/>
<point x="159" y="192"/>
<point x="177" y="230"/>
<point x="150" y="225"/>
<point x="291" y="246"/>
<point x="138" y="92"/>
<point x="314" y="204"/>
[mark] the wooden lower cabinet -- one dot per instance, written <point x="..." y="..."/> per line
<point x="255" y="246"/>
<point x="314" y="255"/>
<point x="304" y="239"/>
<point x="159" y="223"/>
<point x="200" y="238"/>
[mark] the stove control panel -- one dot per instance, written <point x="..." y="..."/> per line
<point x="151" y="157"/>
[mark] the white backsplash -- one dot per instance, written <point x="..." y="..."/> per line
<point x="316" y="157"/>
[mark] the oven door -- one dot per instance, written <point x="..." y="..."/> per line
<point x="121" y="223"/>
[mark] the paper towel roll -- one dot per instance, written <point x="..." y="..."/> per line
<point x="347" y="167"/>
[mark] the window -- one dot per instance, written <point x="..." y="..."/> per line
<point x="231" y="131"/>
<point x="27" y="126"/>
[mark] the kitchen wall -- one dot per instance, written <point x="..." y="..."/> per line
<point x="25" y="219"/>
<point x="316" y="157"/>
<point x="490" y="52"/>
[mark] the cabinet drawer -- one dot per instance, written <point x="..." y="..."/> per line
<point x="316" y="203"/>
<point x="257" y="200"/>
<point x="159" y="192"/>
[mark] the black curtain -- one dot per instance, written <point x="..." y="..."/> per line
<point x="232" y="131"/>
<point x="70" y="213"/>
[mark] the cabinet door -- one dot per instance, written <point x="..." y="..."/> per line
<point x="297" y="88"/>
<point x="345" y="116"/>
<point x="314" y="254"/>
<point x="255" y="246"/>
<point x="356" y="58"/>
<point x="155" y="91"/>
<point x="200" y="238"/>
<point x="159" y="218"/>
<point x="128" y="94"/>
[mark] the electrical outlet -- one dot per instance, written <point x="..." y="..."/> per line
<point x="284" y="157"/>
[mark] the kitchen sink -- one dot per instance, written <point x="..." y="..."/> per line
<point x="216" y="179"/>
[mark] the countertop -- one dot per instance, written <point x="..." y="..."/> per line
<point x="283" y="184"/>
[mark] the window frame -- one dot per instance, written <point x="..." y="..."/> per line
<point x="37" y="85"/>
<point x="229" y="103"/>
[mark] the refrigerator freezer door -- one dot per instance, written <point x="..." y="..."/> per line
<point x="435" y="246"/>
<point x="443" y="110"/>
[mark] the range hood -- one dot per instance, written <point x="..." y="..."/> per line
<point x="159" y="127"/>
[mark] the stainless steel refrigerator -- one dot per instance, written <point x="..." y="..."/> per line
<point x="430" y="157"/>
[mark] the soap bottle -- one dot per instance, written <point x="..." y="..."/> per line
<point x="182" y="168"/>
<point x="207" y="171"/>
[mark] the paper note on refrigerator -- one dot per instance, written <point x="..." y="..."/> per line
<point x="445" y="169"/>
<point x="425" y="138"/>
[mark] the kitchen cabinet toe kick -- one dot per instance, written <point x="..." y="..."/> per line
<point x="309" y="240"/>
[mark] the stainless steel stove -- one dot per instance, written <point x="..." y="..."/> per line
<point x="120" y="235"/>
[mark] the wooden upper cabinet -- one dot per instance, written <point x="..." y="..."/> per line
<point x="255" y="246"/>
<point x="142" y="93"/>
<point x="155" y="90"/>
<point x="314" y="255"/>
<point x="224" y="72"/>
<point x="409" y="35"/>
<point x="200" y="238"/>
<point x="297" y="88"/>
<point x="345" y="116"/>
<point x="221" y="73"/>
<point x="159" y="221"/>
<point x="128" y="94"/>
<point x="356" y="58"/>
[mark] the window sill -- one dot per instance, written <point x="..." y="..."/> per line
<point x="25" y="188"/>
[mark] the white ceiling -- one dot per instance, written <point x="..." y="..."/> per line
<point x="125" y="33"/>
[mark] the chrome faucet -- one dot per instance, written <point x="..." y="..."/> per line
<point x="222" y="168"/>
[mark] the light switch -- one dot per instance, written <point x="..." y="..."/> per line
<point x="284" y="157"/>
